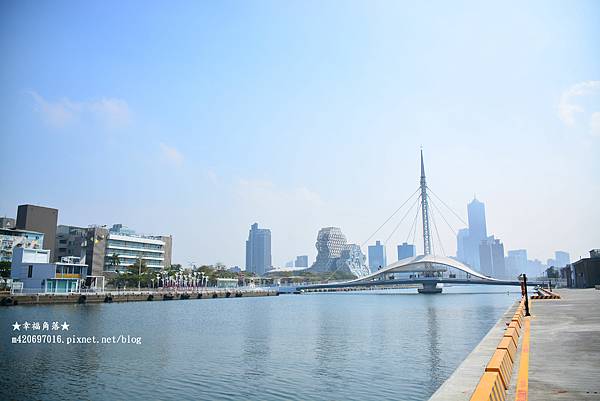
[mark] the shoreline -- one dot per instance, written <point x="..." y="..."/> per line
<point x="462" y="382"/>
<point x="110" y="297"/>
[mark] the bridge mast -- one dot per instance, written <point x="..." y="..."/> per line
<point x="425" y="210"/>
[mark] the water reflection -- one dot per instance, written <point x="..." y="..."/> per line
<point x="321" y="346"/>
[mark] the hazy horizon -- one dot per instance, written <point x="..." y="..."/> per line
<point x="199" y="119"/>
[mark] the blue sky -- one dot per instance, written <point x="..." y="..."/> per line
<point x="199" y="118"/>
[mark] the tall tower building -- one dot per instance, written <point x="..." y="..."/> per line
<point x="377" y="257"/>
<point x="516" y="262"/>
<point x="258" y="250"/>
<point x="491" y="254"/>
<point x="406" y="251"/>
<point x="40" y="219"/>
<point x="561" y="258"/>
<point x="477" y="232"/>
<point x="461" y="244"/>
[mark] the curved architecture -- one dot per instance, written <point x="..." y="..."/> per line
<point x="424" y="264"/>
<point x="335" y="254"/>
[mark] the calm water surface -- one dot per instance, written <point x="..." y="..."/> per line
<point x="337" y="346"/>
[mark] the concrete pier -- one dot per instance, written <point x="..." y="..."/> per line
<point x="133" y="296"/>
<point x="565" y="347"/>
<point x="562" y="360"/>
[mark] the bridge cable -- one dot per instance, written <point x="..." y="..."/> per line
<point x="409" y="210"/>
<point x="389" y="218"/>
<point x="401" y="220"/>
<point x="415" y="228"/>
<point x="449" y="208"/>
<point x="437" y="233"/>
<point x="444" y="218"/>
<point x="414" y="223"/>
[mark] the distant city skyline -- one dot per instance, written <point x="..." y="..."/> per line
<point x="300" y="116"/>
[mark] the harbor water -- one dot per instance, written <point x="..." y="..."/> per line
<point x="369" y="345"/>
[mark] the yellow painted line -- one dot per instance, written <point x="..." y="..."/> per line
<point x="523" y="381"/>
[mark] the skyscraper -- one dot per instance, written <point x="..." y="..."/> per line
<point x="40" y="219"/>
<point x="377" y="257"/>
<point x="258" y="250"/>
<point x="301" y="261"/>
<point x="561" y="258"/>
<point x="468" y="241"/>
<point x="516" y="262"/>
<point x="491" y="254"/>
<point x="461" y="244"/>
<point x="406" y="251"/>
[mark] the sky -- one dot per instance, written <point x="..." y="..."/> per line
<point x="197" y="119"/>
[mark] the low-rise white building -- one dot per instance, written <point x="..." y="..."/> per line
<point x="32" y="267"/>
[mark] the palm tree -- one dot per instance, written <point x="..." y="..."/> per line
<point x="115" y="261"/>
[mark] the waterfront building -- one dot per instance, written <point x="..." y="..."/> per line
<point x="13" y="238"/>
<point x="587" y="270"/>
<point x="516" y="262"/>
<point x="335" y="254"/>
<point x="114" y="249"/>
<point x="40" y="219"/>
<point x="69" y="241"/>
<point x="227" y="282"/>
<point x="561" y="258"/>
<point x="33" y="269"/>
<point x="301" y="261"/>
<point x="406" y="251"/>
<point x="7" y="222"/>
<point x="289" y="263"/>
<point x="491" y="254"/>
<point x="258" y="250"/>
<point x="377" y="257"/>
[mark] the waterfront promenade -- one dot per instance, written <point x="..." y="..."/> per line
<point x="563" y="360"/>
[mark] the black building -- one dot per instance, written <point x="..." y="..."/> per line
<point x="587" y="270"/>
<point x="40" y="219"/>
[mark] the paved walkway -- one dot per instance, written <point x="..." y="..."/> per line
<point x="565" y="347"/>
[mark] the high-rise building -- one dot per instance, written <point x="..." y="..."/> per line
<point x="561" y="258"/>
<point x="516" y="262"/>
<point x="491" y="254"/>
<point x="406" y="251"/>
<point x="335" y="254"/>
<point x="301" y="261"/>
<point x="40" y="219"/>
<point x="461" y="244"/>
<point x="468" y="240"/>
<point x="258" y="250"/>
<point x="377" y="257"/>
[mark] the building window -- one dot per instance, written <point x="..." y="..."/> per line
<point x="30" y="271"/>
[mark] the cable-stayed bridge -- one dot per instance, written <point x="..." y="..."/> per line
<point x="428" y="269"/>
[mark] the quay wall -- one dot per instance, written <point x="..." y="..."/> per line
<point x="109" y="297"/>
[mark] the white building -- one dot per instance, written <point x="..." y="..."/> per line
<point x="32" y="267"/>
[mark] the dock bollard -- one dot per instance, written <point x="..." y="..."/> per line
<point x="524" y="291"/>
